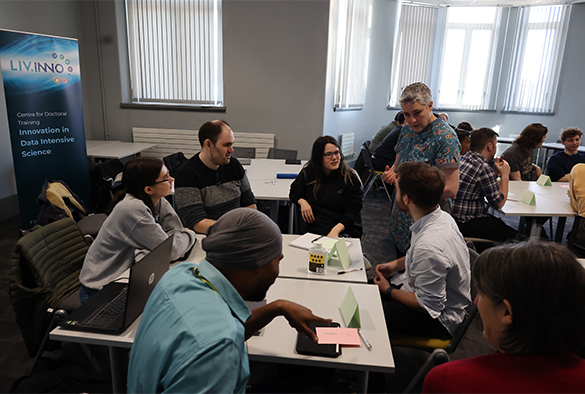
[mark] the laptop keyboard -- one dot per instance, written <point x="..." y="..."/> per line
<point x="104" y="316"/>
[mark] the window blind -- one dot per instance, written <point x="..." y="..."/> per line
<point x="413" y="48"/>
<point x="175" y="51"/>
<point x="538" y="53"/>
<point x="353" y="26"/>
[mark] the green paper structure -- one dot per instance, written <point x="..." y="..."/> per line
<point x="528" y="197"/>
<point x="350" y="310"/>
<point x="340" y="247"/>
<point x="544" y="180"/>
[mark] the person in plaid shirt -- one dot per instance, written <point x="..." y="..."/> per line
<point x="478" y="184"/>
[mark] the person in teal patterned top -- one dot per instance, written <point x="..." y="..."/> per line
<point x="425" y="138"/>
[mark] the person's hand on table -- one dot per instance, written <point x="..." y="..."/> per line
<point x="537" y="171"/>
<point x="306" y="211"/>
<point x="388" y="175"/>
<point x="299" y="317"/>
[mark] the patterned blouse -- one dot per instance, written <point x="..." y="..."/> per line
<point x="437" y="144"/>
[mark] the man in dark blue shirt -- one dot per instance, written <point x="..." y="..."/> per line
<point x="561" y="163"/>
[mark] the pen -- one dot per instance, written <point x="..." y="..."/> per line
<point x="318" y="238"/>
<point x="351" y="270"/>
<point x="368" y="345"/>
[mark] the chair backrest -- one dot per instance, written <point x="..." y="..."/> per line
<point x="462" y="329"/>
<point x="174" y="161"/>
<point x="275" y="153"/>
<point x="367" y="156"/>
<point x="473" y="256"/>
<point x="240" y="152"/>
<point x="58" y="201"/>
<point x="576" y="238"/>
<point x="45" y="271"/>
<point x="437" y="357"/>
<point x="104" y="181"/>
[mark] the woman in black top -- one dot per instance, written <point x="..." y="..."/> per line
<point x="329" y="192"/>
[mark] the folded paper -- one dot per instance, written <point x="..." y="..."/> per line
<point x="350" y="310"/>
<point x="340" y="248"/>
<point x="544" y="180"/>
<point x="528" y="197"/>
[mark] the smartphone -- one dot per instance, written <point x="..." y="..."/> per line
<point x="307" y="346"/>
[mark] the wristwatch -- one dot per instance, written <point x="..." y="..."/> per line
<point x="389" y="290"/>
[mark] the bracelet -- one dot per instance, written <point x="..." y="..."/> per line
<point x="389" y="290"/>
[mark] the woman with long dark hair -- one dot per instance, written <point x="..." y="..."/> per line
<point x="140" y="220"/>
<point x="329" y="192"/>
<point x="519" y="155"/>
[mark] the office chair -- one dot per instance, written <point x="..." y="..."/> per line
<point x="274" y="153"/>
<point x="374" y="175"/>
<point x="437" y="357"/>
<point x="576" y="237"/>
<point x="448" y="344"/>
<point x="244" y="153"/>
<point x="44" y="280"/>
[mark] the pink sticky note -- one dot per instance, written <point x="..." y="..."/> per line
<point x="343" y="336"/>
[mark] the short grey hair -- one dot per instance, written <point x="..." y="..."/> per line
<point x="417" y="92"/>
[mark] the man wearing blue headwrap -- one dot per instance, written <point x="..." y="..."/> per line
<point x="192" y="332"/>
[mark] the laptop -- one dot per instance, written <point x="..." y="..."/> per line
<point x="117" y="305"/>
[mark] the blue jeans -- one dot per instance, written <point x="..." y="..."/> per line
<point x="85" y="293"/>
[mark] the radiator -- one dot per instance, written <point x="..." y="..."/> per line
<point x="169" y="141"/>
<point x="346" y="142"/>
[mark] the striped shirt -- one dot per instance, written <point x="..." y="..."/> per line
<point x="203" y="193"/>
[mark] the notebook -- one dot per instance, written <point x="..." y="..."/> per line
<point x="306" y="241"/>
<point x="117" y="305"/>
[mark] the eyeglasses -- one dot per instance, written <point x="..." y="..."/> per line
<point x="329" y="155"/>
<point x="167" y="178"/>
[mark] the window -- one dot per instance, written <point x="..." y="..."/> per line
<point x="175" y="51"/>
<point x="451" y="49"/>
<point x="454" y="50"/>
<point x="538" y="52"/>
<point x="352" y="25"/>
<point x="416" y="29"/>
<point x="468" y="58"/>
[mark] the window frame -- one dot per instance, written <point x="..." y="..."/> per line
<point x="184" y="84"/>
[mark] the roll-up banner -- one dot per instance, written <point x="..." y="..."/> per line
<point x="42" y="84"/>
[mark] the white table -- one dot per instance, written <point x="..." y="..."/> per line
<point x="114" y="149"/>
<point x="550" y="201"/>
<point x="295" y="262"/>
<point x="262" y="176"/>
<point x="277" y="341"/>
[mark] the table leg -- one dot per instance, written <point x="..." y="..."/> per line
<point x="535" y="229"/>
<point x="119" y="368"/>
<point x="560" y="229"/>
<point x="274" y="211"/>
<point x="362" y="382"/>
<point x="291" y="217"/>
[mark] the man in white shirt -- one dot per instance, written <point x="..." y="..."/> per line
<point x="429" y="298"/>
